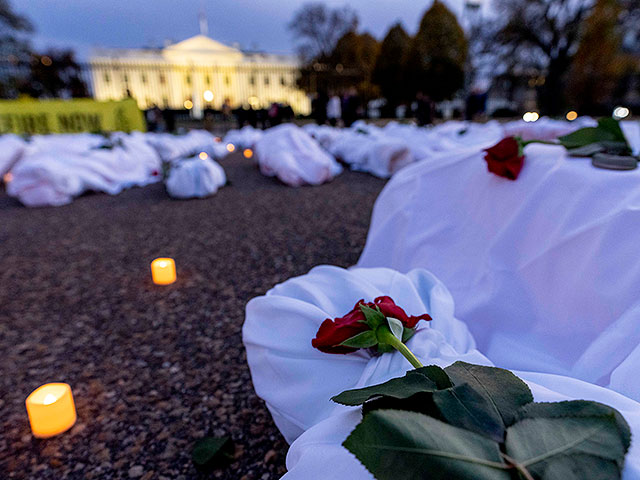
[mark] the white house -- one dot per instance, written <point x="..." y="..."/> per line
<point x="197" y="73"/>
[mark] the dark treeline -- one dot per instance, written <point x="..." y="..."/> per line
<point x="583" y="54"/>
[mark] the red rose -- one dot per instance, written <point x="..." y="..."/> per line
<point x="333" y="332"/>
<point x="505" y="158"/>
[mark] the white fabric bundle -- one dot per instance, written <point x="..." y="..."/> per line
<point x="69" y="142"/>
<point x="173" y="147"/>
<point x="323" y="134"/>
<point x="246" y="137"/>
<point x="432" y="143"/>
<point x="11" y="150"/>
<point x="542" y="269"/>
<point x="56" y="168"/>
<point x="195" y="178"/>
<point x="372" y="153"/>
<point x="297" y="381"/>
<point x="290" y="154"/>
<point x="545" y="128"/>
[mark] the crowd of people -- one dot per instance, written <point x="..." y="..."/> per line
<point x="337" y="109"/>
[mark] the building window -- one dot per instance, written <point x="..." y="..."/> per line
<point x="107" y="78"/>
<point x="207" y="80"/>
<point x="266" y="80"/>
<point x="143" y="77"/>
<point x="125" y="77"/>
<point x="252" y="80"/>
<point x="283" y="82"/>
<point x="227" y="80"/>
<point x="188" y="79"/>
<point x="162" y="79"/>
<point x="165" y="102"/>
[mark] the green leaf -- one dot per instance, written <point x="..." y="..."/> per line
<point x="557" y="447"/>
<point x="462" y="406"/>
<point x="396" y="327"/>
<point x="403" y="387"/>
<point x="419" y="402"/>
<point x="435" y="374"/>
<point x="578" y="408"/>
<point x="504" y="392"/>
<point x="608" y="130"/>
<point x="211" y="452"/>
<point x="612" y="126"/>
<point x="366" y="339"/>
<point x="394" y="445"/>
<point x="375" y="318"/>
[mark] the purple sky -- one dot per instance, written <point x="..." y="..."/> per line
<point x="251" y="23"/>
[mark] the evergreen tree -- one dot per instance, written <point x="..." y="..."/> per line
<point x="388" y="72"/>
<point x="353" y="59"/>
<point x="436" y="58"/>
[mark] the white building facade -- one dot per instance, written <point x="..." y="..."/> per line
<point x="197" y="73"/>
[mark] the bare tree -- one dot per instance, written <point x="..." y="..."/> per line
<point x="319" y="28"/>
<point x="10" y="20"/>
<point x="544" y="35"/>
<point x="13" y="48"/>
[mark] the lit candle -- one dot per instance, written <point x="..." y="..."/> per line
<point x="51" y="410"/>
<point x="163" y="271"/>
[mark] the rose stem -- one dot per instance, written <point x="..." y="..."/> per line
<point x="385" y="336"/>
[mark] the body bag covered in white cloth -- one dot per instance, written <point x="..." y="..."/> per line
<point x="297" y="381"/>
<point x="195" y="178"/>
<point x="173" y="147"/>
<point x="371" y="152"/>
<point x="12" y="148"/>
<point x="290" y="154"/>
<point x="543" y="269"/>
<point x="245" y="137"/>
<point x="545" y="128"/>
<point x="56" y="168"/>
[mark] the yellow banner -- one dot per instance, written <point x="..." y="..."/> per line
<point x="69" y="116"/>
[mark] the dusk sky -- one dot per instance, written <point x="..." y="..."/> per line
<point x="251" y="23"/>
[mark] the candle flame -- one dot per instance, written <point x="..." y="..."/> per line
<point x="49" y="398"/>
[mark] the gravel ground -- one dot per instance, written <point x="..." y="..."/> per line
<point x="155" y="368"/>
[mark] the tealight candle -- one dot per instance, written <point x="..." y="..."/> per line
<point x="51" y="410"/>
<point x="163" y="271"/>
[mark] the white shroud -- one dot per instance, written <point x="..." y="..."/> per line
<point x="297" y="381"/>
<point x="543" y="269"/>
<point x="195" y="178"/>
<point x="290" y="154"/>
